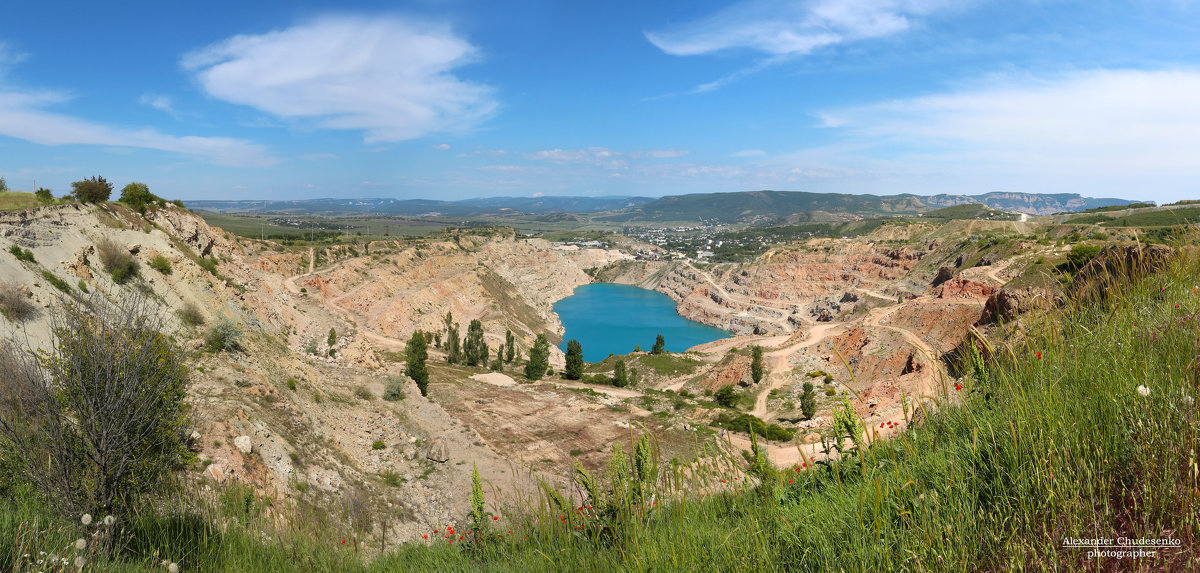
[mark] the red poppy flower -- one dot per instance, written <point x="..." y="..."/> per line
<point x="791" y="480"/>
<point x="1135" y="323"/>
<point x="495" y="517"/>
<point x="1039" y="355"/>
<point x="805" y="464"/>
<point x="958" y="386"/>
<point x="1176" y="306"/>
<point x="797" y="469"/>
<point x="426" y="536"/>
<point x="343" y="542"/>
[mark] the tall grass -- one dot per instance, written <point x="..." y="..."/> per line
<point x="1047" y="438"/>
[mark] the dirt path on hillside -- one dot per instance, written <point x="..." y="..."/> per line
<point x="777" y="361"/>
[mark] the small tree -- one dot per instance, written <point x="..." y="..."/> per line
<point x="474" y="348"/>
<point x="332" y="339"/>
<point x="808" y="401"/>
<point x="574" y="369"/>
<point x="660" y="345"/>
<point x="44" y="196"/>
<point x="3" y="185"/>
<point x="138" y="196"/>
<point x="726" y="396"/>
<point x="539" y="359"/>
<point x="756" y="363"/>
<point x="98" y="421"/>
<point x="510" y="346"/>
<point x="91" y="190"/>
<point x="620" y="377"/>
<point x="453" y="352"/>
<point x="415" y="353"/>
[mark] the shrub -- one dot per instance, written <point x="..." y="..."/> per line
<point x="57" y="282"/>
<point x="91" y="190"/>
<point x="223" y="337"/>
<point x="363" y="393"/>
<point x="110" y="373"/>
<point x="726" y="396"/>
<point x="378" y="445"/>
<point x="391" y="478"/>
<point x="161" y="264"/>
<point x="190" y="315"/>
<point x="209" y="264"/>
<point x="291" y="383"/>
<point x="830" y="391"/>
<point x="310" y="347"/>
<point x="82" y="286"/>
<point x="138" y="196"/>
<point x="14" y="303"/>
<point x="22" y="254"/>
<point x="749" y="423"/>
<point x="116" y="260"/>
<point x="393" y="389"/>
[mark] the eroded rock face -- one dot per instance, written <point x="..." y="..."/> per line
<point x="1115" y="263"/>
<point x="243" y="444"/>
<point x="1006" y="304"/>
<point x="959" y="287"/>
<point x="943" y="274"/>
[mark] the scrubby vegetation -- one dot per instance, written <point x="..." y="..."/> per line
<point x="116" y="260"/>
<point x="14" y="303"/>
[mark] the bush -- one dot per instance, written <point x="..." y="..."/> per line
<point x="108" y="406"/>
<point x="57" y="282"/>
<point x="291" y="383"/>
<point x="391" y="478"/>
<point x="138" y="196"/>
<point x="223" y="337"/>
<point x="14" y="303"/>
<point x="209" y="264"/>
<point x="726" y="396"/>
<point x="393" y="389"/>
<point x="190" y="315"/>
<point x="378" y="445"/>
<point x="82" y="286"/>
<point x="748" y="423"/>
<point x="161" y="264"/>
<point x="116" y="260"/>
<point x="91" y="190"/>
<point x="22" y="254"/>
<point x="363" y="393"/>
<point x="44" y="196"/>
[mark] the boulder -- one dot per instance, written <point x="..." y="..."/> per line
<point x="1115" y="263"/>
<point x="1006" y="304"/>
<point x="959" y="287"/>
<point x="438" y="451"/>
<point x="243" y="444"/>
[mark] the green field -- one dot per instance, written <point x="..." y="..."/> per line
<point x="12" y="200"/>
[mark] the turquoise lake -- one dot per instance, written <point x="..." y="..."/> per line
<point x="610" y="319"/>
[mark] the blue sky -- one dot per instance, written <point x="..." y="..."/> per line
<point x="454" y="99"/>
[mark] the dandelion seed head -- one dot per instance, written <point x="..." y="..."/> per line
<point x="108" y="520"/>
<point x="1143" y="390"/>
<point x="80" y="543"/>
<point x="86" y="519"/>
<point x="80" y="562"/>
<point x="173" y="568"/>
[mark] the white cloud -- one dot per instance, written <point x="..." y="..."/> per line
<point x="778" y="27"/>
<point x="388" y="76"/>
<point x="442" y="146"/>
<point x="662" y="153"/>
<point x="591" y="154"/>
<point x="749" y="153"/>
<point x="8" y="58"/>
<point x="157" y="101"/>
<point x="22" y="115"/>
<point x="1117" y="122"/>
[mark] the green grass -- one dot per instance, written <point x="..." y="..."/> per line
<point x="1047" y="438"/>
<point x="1163" y="218"/>
<point x="13" y="200"/>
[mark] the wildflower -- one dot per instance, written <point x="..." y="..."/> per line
<point x="791" y="480"/>
<point x="80" y="544"/>
<point x="798" y="469"/>
<point x="495" y="517"/>
<point x="1176" y="305"/>
<point x="1135" y="323"/>
<point x="425" y="536"/>
<point x="108" y="520"/>
<point x="86" y="519"/>
<point x="173" y="568"/>
<point x="1039" y="355"/>
<point x="958" y="386"/>
<point x="1144" y="391"/>
<point x="343" y="542"/>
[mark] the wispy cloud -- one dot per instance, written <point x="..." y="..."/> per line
<point x="158" y="101"/>
<point x="748" y="153"/>
<point x="782" y="30"/>
<point x="442" y="147"/>
<point x="1115" y="121"/>
<point x="8" y="58"/>
<point x="661" y="153"/>
<point x="388" y="76"/>
<point x="24" y="115"/>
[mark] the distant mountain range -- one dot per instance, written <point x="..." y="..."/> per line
<point x="760" y="207"/>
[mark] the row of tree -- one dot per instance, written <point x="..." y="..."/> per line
<point x="96" y="189"/>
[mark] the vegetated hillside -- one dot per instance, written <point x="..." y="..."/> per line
<point x="425" y="207"/>
<point x="793" y="206"/>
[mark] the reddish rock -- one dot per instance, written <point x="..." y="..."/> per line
<point x="959" y="287"/>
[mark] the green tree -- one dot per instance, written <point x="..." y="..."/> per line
<point x="620" y="378"/>
<point x="510" y="346"/>
<point x="138" y="196"/>
<point x="3" y="185"/>
<point x="574" y="369"/>
<point x="756" y="363"/>
<point x="539" y="358"/>
<point x="726" y="396"/>
<point x="415" y="354"/>
<point x="474" y="348"/>
<point x="808" y="401"/>
<point x="91" y="190"/>
<point x="332" y="337"/>
<point x="453" y="350"/>
<point x="660" y="345"/>
<point x="98" y="421"/>
<point x="44" y="196"/>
